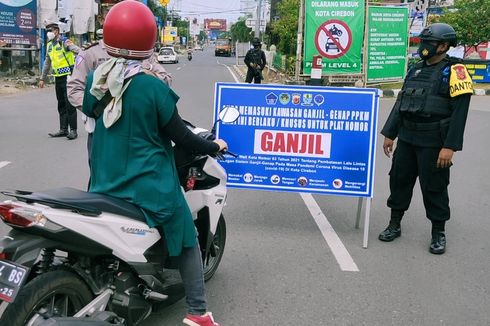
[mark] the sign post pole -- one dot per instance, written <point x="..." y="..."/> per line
<point x="367" y="214"/>
<point x="316" y="71"/>
<point x="257" y="22"/>
<point x="359" y="209"/>
<point x="299" y="41"/>
<point x="364" y="48"/>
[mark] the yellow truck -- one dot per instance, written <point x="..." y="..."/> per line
<point x="223" y="47"/>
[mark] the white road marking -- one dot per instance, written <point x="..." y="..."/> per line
<point x="4" y="163"/>
<point x="343" y="257"/>
<point x="232" y="73"/>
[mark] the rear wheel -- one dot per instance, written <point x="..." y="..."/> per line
<point x="54" y="294"/>
<point x="215" y="253"/>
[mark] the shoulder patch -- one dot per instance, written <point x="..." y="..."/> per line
<point x="460" y="81"/>
<point x="78" y="60"/>
<point x="87" y="46"/>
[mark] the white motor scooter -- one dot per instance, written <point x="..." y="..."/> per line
<point x="74" y="253"/>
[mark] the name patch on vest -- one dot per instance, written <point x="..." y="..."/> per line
<point x="460" y="81"/>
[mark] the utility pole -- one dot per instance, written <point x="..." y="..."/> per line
<point x="257" y="21"/>
<point x="299" y="39"/>
<point x="189" y="34"/>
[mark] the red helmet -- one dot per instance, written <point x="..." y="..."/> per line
<point x="130" y="30"/>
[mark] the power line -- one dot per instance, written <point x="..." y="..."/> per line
<point x="216" y="12"/>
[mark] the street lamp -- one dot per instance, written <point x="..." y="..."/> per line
<point x="188" y="31"/>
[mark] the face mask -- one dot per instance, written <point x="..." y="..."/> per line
<point x="427" y="50"/>
<point x="50" y="35"/>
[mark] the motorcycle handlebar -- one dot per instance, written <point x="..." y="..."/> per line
<point x="230" y="153"/>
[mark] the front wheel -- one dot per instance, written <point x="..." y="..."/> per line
<point x="215" y="253"/>
<point x="54" y="294"/>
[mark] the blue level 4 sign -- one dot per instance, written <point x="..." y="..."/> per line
<point x="300" y="138"/>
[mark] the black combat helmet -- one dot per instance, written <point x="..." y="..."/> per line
<point x="439" y="32"/>
<point x="256" y="41"/>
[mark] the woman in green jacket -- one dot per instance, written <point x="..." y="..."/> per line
<point x="132" y="156"/>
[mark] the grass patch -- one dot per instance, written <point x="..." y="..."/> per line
<point x="389" y="86"/>
<point x="481" y="85"/>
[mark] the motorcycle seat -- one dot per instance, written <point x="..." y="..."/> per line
<point x="82" y="202"/>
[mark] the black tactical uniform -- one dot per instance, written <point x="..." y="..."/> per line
<point x="255" y="61"/>
<point x="429" y="115"/>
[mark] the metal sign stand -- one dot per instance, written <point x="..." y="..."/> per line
<point x="367" y="215"/>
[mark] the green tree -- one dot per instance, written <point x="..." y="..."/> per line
<point x="471" y="20"/>
<point x="285" y="29"/>
<point x="158" y="10"/>
<point x="224" y="34"/>
<point x="182" y="27"/>
<point x="202" y="36"/>
<point x="240" y="32"/>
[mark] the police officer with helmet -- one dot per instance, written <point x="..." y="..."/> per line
<point x="60" y="58"/>
<point x="428" y="118"/>
<point x="255" y="61"/>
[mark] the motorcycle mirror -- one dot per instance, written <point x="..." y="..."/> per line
<point x="229" y="114"/>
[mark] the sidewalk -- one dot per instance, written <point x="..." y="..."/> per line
<point x="19" y="83"/>
<point x="241" y="71"/>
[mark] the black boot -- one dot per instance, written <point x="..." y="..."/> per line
<point x="438" y="243"/>
<point x="72" y="134"/>
<point x="60" y="133"/>
<point x="390" y="233"/>
<point x="393" y="230"/>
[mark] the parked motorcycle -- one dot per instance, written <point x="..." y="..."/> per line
<point x="71" y="253"/>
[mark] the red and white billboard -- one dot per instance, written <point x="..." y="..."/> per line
<point x="211" y="24"/>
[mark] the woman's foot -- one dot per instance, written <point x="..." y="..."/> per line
<point x="203" y="320"/>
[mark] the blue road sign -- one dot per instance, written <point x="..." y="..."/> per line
<point x="300" y="138"/>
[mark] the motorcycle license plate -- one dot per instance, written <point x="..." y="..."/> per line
<point x="12" y="276"/>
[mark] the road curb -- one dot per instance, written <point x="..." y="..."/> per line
<point x="394" y="92"/>
<point x="239" y="72"/>
<point x="384" y="93"/>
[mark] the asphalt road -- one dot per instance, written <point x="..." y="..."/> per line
<point x="278" y="268"/>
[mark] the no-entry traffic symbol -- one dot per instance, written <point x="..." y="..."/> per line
<point x="333" y="39"/>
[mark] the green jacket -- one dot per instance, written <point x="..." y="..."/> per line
<point x="134" y="160"/>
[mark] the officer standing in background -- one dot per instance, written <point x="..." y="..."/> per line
<point x="89" y="59"/>
<point x="60" y="56"/>
<point x="255" y="61"/>
<point x="429" y="118"/>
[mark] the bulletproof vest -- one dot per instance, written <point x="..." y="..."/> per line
<point x="425" y="92"/>
<point x="256" y="56"/>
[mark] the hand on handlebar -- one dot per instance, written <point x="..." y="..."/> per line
<point x="223" y="146"/>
